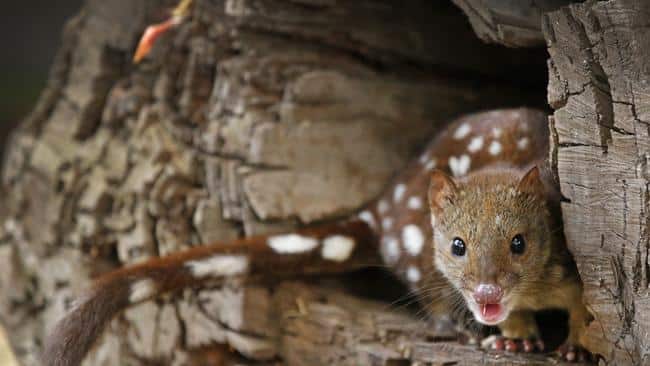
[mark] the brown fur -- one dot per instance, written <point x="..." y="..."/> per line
<point x="487" y="209"/>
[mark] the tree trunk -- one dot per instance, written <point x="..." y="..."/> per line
<point x="252" y="117"/>
<point x="599" y="75"/>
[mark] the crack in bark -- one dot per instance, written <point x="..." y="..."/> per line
<point x="576" y="144"/>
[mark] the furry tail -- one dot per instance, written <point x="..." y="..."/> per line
<point x="77" y="331"/>
<point x="332" y="248"/>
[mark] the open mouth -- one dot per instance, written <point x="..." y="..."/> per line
<point x="489" y="314"/>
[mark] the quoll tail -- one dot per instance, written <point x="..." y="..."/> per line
<point x="331" y="248"/>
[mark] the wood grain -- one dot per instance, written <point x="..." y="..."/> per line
<point x="599" y="75"/>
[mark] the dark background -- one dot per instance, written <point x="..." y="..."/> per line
<point x="30" y="34"/>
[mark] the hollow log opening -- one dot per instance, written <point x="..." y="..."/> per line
<point x="258" y="116"/>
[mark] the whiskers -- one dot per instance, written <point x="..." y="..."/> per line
<point x="436" y="301"/>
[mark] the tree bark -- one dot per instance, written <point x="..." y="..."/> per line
<point x="599" y="74"/>
<point x="252" y="117"/>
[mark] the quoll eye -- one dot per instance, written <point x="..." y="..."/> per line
<point x="518" y="245"/>
<point x="458" y="247"/>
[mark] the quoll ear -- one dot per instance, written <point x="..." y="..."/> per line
<point x="532" y="182"/>
<point x="441" y="188"/>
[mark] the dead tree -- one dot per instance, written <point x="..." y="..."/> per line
<point x="255" y="116"/>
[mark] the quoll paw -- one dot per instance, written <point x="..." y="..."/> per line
<point x="500" y="343"/>
<point x="573" y="353"/>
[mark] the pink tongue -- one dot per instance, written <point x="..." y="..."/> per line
<point x="490" y="311"/>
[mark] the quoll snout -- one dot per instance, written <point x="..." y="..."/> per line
<point x="486" y="293"/>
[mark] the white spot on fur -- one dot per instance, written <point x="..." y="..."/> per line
<point x="218" y="265"/>
<point x="387" y="223"/>
<point x="413" y="274"/>
<point x="292" y="243"/>
<point x="399" y="192"/>
<point x="496" y="132"/>
<point x="522" y="143"/>
<point x="390" y="250"/>
<point x="414" y="203"/>
<point x="462" y="131"/>
<point x="382" y="207"/>
<point x="412" y="239"/>
<point x="476" y="144"/>
<point x="495" y="148"/>
<point x="424" y="158"/>
<point x="141" y="290"/>
<point x="368" y="218"/>
<point x="337" y="248"/>
<point x="434" y="221"/>
<point x="459" y="165"/>
<point x="497" y="219"/>
<point x="431" y="164"/>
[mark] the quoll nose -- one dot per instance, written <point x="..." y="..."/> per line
<point x="486" y="293"/>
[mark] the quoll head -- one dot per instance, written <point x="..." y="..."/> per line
<point x="492" y="236"/>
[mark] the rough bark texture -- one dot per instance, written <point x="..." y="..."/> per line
<point x="514" y="23"/>
<point x="599" y="87"/>
<point x="252" y="117"/>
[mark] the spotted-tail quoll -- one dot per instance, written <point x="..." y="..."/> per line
<point x="474" y="210"/>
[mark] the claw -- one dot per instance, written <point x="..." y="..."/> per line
<point x="573" y="353"/>
<point x="153" y="32"/>
<point x="511" y="345"/>
<point x="528" y="346"/>
<point x="500" y="343"/>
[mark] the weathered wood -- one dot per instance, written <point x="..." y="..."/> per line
<point x="599" y="75"/>
<point x="514" y="23"/>
<point x="313" y="325"/>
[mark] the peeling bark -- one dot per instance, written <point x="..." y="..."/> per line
<point x="513" y="23"/>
